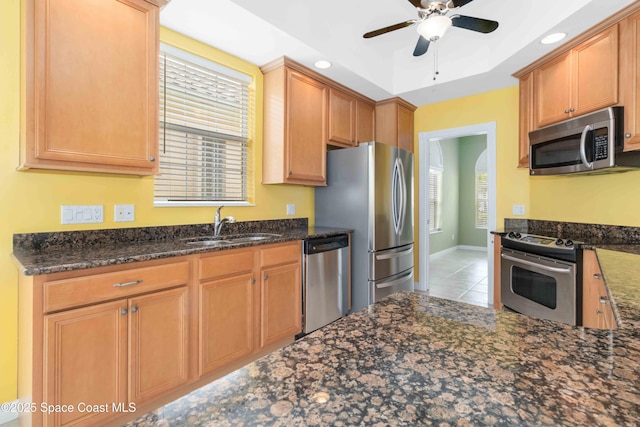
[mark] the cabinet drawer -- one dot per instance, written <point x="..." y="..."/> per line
<point x="66" y="293"/>
<point x="281" y="254"/>
<point x="229" y="263"/>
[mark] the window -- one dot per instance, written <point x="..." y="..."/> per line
<point x="204" y="127"/>
<point x="436" y="167"/>
<point x="482" y="191"/>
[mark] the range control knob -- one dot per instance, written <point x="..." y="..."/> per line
<point x="559" y="242"/>
<point x="518" y="235"/>
<point x="511" y="234"/>
<point x="568" y="243"/>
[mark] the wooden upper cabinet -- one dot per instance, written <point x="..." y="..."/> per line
<point x="579" y="81"/>
<point x="526" y="119"/>
<point x="342" y="118"/>
<point x="630" y="79"/>
<point x="351" y="120"/>
<point x="394" y="123"/>
<point x="295" y="126"/>
<point x="365" y="121"/>
<point x="91" y="77"/>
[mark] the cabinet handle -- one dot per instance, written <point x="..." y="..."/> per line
<point x="122" y="285"/>
<point x="266" y="277"/>
<point x="290" y="172"/>
<point x="152" y="159"/>
<point x="123" y="311"/>
<point x="627" y="135"/>
<point x="253" y="281"/>
<point x="604" y="300"/>
<point x="571" y="110"/>
<point x="134" y="308"/>
<point x="566" y="111"/>
<point x="597" y="276"/>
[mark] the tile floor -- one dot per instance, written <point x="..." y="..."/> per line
<point x="460" y="276"/>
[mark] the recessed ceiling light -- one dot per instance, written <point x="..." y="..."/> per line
<point x="553" y="38"/>
<point x="322" y="64"/>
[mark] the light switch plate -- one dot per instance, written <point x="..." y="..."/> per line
<point x="291" y="209"/>
<point x="81" y="214"/>
<point x="518" y="209"/>
<point x="123" y="213"/>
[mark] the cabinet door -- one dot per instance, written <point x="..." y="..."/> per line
<point x="306" y="128"/>
<point x="596" y="306"/>
<point x="365" y="122"/>
<point x="85" y="360"/>
<point x="342" y="118"/>
<point x="280" y="303"/>
<point x="405" y="128"/>
<point x="92" y="85"/>
<point x="552" y="91"/>
<point x="595" y="73"/>
<point x="226" y="321"/>
<point x="158" y="343"/>
<point x="630" y="79"/>
<point x="526" y="119"/>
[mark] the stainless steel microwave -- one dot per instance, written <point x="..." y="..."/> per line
<point x="592" y="143"/>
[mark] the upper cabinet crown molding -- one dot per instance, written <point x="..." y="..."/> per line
<point x="90" y="98"/>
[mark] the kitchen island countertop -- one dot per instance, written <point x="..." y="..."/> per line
<point x="412" y="359"/>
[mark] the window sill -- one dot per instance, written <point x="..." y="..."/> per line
<point x="435" y="232"/>
<point x="157" y="204"/>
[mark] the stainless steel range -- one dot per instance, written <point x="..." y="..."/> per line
<point x="541" y="277"/>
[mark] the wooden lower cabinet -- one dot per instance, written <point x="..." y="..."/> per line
<point x="596" y="307"/>
<point x="281" y="303"/>
<point x="85" y="360"/>
<point x="226" y="321"/>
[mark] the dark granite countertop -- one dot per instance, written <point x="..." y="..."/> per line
<point x="45" y="253"/>
<point x="412" y="359"/>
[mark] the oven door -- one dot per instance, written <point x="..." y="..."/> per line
<point x="539" y="287"/>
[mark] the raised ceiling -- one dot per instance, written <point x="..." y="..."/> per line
<point x="382" y="67"/>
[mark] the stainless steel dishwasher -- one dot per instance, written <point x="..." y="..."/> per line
<point x="326" y="280"/>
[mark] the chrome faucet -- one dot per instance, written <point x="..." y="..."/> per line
<point x="217" y="225"/>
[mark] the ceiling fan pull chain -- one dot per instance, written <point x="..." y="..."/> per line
<point x="435" y="62"/>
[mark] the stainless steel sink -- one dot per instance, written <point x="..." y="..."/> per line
<point x="230" y="240"/>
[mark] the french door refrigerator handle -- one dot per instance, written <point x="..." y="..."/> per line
<point x="403" y="195"/>
<point x="395" y="282"/>
<point x="394" y="197"/>
<point x="395" y="254"/>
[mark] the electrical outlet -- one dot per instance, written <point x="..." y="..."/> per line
<point x="291" y="209"/>
<point x="81" y="214"/>
<point x="123" y="213"/>
<point x="518" y="209"/>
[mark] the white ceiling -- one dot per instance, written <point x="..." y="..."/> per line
<point x="305" y="30"/>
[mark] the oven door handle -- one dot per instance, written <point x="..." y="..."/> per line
<point x="583" y="148"/>
<point x="533" y="264"/>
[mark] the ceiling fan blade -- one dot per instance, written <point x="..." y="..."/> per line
<point x="458" y="3"/>
<point x="421" y="47"/>
<point x="389" y="29"/>
<point x="474" y="24"/>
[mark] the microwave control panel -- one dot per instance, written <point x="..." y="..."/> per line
<point x="601" y="144"/>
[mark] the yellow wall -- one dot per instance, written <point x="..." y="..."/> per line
<point x="30" y="200"/>
<point x="500" y="106"/>
<point x="598" y="199"/>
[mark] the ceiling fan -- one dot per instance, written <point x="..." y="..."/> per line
<point x="433" y="22"/>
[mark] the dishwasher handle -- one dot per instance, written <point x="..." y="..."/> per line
<point x="325" y="244"/>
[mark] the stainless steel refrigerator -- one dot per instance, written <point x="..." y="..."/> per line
<point x="370" y="190"/>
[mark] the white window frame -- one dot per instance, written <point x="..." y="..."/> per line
<point x="436" y="172"/>
<point x="481" y="212"/>
<point x="241" y="137"/>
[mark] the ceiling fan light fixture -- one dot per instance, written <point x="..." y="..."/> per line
<point x="434" y="27"/>
<point x="553" y="38"/>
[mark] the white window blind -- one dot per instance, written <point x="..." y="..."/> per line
<point x="204" y="128"/>
<point x="436" y="168"/>
<point x="482" y="191"/>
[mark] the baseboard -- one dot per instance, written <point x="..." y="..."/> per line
<point x="444" y="252"/>
<point x="6" y="417"/>
<point x="474" y="248"/>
